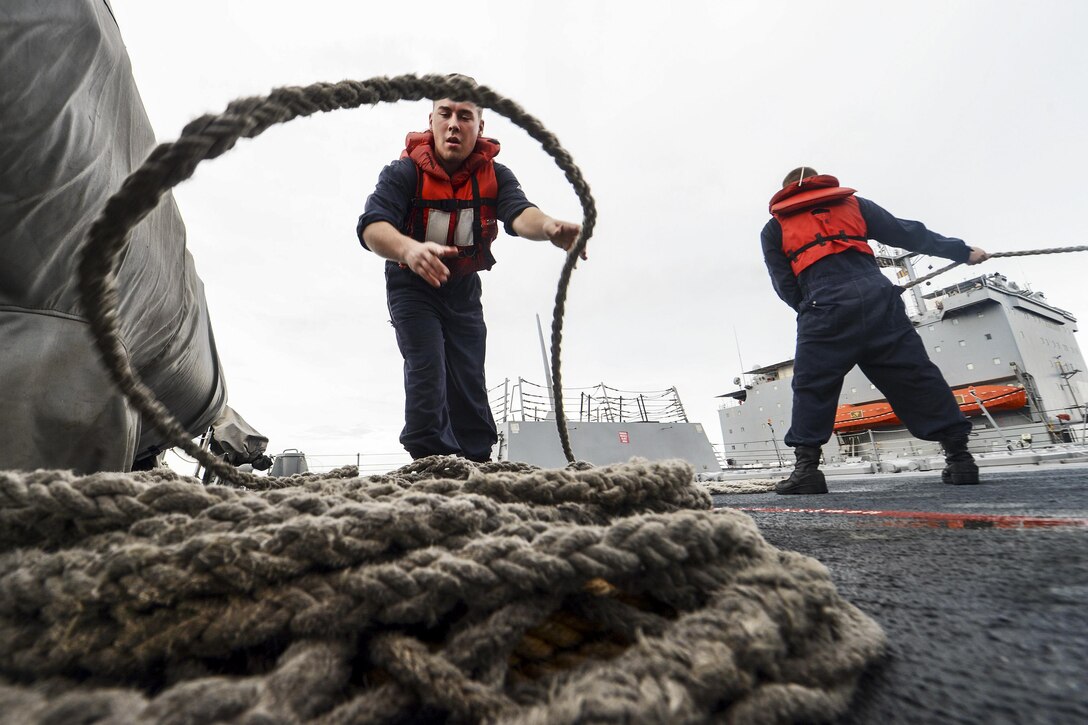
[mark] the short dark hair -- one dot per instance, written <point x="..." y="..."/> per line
<point x="464" y="79"/>
<point x="798" y="174"/>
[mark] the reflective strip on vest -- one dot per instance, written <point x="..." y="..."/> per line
<point x="464" y="217"/>
<point x="441" y="230"/>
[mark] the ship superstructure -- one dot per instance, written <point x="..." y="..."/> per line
<point x="605" y="424"/>
<point x="991" y="339"/>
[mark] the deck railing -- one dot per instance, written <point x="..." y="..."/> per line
<point x="887" y="443"/>
<point x="522" y="400"/>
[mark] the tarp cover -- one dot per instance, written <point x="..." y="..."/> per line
<point x="72" y="127"/>
<point x="238" y="442"/>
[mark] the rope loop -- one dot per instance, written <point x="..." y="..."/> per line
<point x="210" y="136"/>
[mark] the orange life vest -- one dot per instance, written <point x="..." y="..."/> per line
<point x="460" y="211"/>
<point x="819" y="218"/>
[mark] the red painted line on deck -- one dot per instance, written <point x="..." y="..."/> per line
<point x="936" y="519"/>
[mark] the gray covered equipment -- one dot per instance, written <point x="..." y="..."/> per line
<point x="72" y="127"/>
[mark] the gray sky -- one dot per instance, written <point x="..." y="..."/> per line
<point x="968" y="116"/>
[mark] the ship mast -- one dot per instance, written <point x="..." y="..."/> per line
<point x="902" y="260"/>
<point x="547" y="369"/>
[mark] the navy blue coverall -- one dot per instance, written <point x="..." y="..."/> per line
<point x="848" y="313"/>
<point x="440" y="331"/>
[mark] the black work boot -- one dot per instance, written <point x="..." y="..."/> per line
<point x="960" y="468"/>
<point x="807" y="477"/>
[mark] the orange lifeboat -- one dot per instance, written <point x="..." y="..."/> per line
<point x="853" y="418"/>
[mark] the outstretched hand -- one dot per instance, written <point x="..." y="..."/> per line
<point x="978" y="255"/>
<point x="563" y="234"/>
<point x="425" y="259"/>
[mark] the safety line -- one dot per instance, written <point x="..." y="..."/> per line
<point x="998" y="255"/>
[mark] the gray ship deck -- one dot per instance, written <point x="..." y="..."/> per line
<point x="981" y="589"/>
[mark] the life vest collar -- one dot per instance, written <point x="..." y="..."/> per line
<point x="419" y="146"/>
<point x="813" y="190"/>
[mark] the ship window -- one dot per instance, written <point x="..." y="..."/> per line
<point x="937" y="348"/>
<point x="742" y="429"/>
<point x="730" y="431"/>
<point x="997" y="361"/>
<point x="989" y="336"/>
<point x="970" y="366"/>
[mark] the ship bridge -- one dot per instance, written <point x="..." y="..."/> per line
<point x="995" y="288"/>
<point x="759" y="376"/>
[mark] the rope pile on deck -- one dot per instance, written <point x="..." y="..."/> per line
<point x="445" y="591"/>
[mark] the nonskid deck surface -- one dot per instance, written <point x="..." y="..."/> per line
<point x="981" y="589"/>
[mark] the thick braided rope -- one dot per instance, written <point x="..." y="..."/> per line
<point x="605" y="595"/>
<point x="213" y="135"/>
<point x="995" y="255"/>
<point x="753" y="485"/>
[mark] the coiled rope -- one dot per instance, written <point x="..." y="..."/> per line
<point x="995" y="255"/>
<point x="213" y="135"/>
<point x="445" y="591"/>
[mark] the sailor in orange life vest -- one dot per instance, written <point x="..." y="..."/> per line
<point x="434" y="215"/>
<point x="817" y="253"/>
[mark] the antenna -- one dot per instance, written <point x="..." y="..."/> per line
<point x="1023" y="276"/>
<point x="544" y="359"/>
<point x="739" y="358"/>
